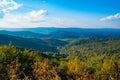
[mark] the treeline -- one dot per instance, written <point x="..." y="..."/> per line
<point x="23" y="64"/>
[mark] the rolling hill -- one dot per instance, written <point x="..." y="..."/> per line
<point x="24" y="34"/>
<point x="61" y="33"/>
<point x="36" y="44"/>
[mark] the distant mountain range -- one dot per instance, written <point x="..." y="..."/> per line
<point x="60" y="33"/>
<point x="47" y="30"/>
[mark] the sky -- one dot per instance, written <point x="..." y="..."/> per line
<point x="60" y="13"/>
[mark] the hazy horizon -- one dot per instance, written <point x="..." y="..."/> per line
<point x="2" y="28"/>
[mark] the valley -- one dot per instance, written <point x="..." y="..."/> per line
<point x="60" y="54"/>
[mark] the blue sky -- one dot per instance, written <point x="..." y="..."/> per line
<point x="60" y="13"/>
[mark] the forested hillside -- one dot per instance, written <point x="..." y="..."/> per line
<point x="24" y="34"/>
<point x="96" y="59"/>
<point x="42" y="45"/>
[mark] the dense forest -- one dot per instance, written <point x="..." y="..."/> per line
<point x="81" y="59"/>
<point x="60" y="56"/>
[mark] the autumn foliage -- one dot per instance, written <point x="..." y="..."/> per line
<point x="23" y="64"/>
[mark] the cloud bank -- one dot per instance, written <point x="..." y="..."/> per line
<point x="23" y="20"/>
<point x="34" y="18"/>
<point x="111" y="17"/>
<point x="8" y="5"/>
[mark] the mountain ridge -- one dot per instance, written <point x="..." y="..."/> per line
<point x="35" y="44"/>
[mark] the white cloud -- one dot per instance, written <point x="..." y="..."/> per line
<point x="111" y="17"/>
<point x="30" y="19"/>
<point x="35" y="19"/>
<point x="23" y="19"/>
<point x="8" y="5"/>
<point x="36" y="16"/>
